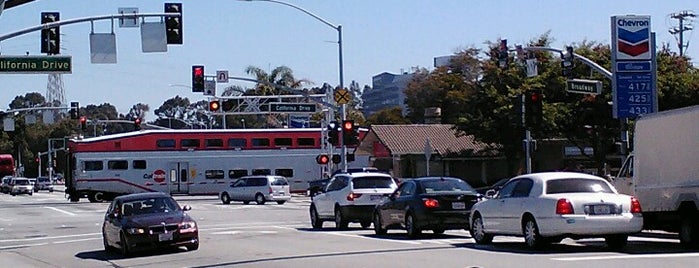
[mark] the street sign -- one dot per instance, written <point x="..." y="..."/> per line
<point x="584" y="86"/>
<point x="222" y="76"/>
<point x="210" y="87"/>
<point x="342" y="96"/>
<point x="36" y="64"/>
<point x="285" y="107"/>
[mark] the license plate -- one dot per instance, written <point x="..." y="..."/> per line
<point x="458" y="205"/>
<point x="376" y="197"/>
<point x="165" y="237"/>
<point x="601" y="209"/>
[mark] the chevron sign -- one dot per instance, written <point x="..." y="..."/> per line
<point x="631" y="36"/>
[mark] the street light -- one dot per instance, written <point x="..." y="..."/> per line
<point x="338" y="28"/>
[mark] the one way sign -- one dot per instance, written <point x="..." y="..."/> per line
<point x="222" y="76"/>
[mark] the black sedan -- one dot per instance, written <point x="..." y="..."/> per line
<point x="148" y="221"/>
<point x="427" y="203"/>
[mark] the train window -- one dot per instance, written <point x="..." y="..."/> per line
<point x="117" y="164"/>
<point x="213" y="174"/>
<point x="260" y="142"/>
<point x="237" y="173"/>
<point x="189" y="142"/>
<point x="282" y="142"/>
<point x="306" y="141"/>
<point x="261" y="172"/>
<point x="93" y="165"/>
<point x="237" y="142"/>
<point x="169" y="143"/>
<point x="213" y="142"/>
<point x="139" y="164"/>
<point x="285" y="172"/>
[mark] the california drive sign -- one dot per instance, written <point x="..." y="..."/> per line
<point x="631" y="37"/>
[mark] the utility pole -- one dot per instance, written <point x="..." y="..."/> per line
<point x="681" y="17"/>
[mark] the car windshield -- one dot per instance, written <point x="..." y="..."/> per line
<point x="42" y="179"/>
<point x="280" y="181"/>
<point x="372" y="182"/>
<point x="577" y="185"/>
<point x="22" y="182"/>
<point x="446" y="185"/>
<point x="149" y="206"/>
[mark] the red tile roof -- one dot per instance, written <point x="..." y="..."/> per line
<point x="410" y="139"/>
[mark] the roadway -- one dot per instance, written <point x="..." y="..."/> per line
<point x="45" y="230"/>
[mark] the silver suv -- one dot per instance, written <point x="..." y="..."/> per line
<point x="43" y="183"/>
<point x="21" y="186"/>
<point x="350" y="197"/>
<point x="258" y="188"/>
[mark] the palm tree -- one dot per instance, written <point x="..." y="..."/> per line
<point x="281" y="75"/>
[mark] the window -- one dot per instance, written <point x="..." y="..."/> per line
<point x="507" y="189"/>
<point x="139" y="164"/>
<point x="260" y="142"/>
<point x="237" y="173"/>
<point x="117" y="164"/>
<point x="306" y="142"/>
<point x="189" y="143"/>
<point x="523" y="188"/>
<point x="577" y="186"/>
<point x="280" y="181"/>
<point x="169" y="143"/>
<point x="446" y="185"/>
<point x="93" y="165"/>
<point x="336" y="183"/>
<point x="213" y="174"/>
<point x="282" y="142"/>
<point x="261" y="172"/>
<point x="372" y="182"/>
<point x="237" y="142"/>
<point x="213" y="143"/>
<point x="285" y="172"/>
<point x="407" y="189"/>
<point x="239" y="183"/>
<point x="256" y="181"/>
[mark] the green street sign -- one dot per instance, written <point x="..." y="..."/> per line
<point x="36" y="64"/>
<point x="283" y="107"/>
<point x="584" y="86"/>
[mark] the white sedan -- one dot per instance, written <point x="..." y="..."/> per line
<point x="547" y="207"/>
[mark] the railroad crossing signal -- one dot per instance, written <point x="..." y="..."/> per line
<point x="350" y="135"/>
<point x="137" y="123"/>
<point x="322" y="159"/>
<point x="173" y="25"/>
<point x="214" y="105"/>
<point x="342" y="96"/>
<point x="51" y="37"/>
<point x="333" y="133"/>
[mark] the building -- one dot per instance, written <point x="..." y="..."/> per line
<point x="387" y="91"/>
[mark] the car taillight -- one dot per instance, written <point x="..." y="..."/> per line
<point x="352" y="196"/>
<point x="270" y="190"/>
<point x="430" y="203"/>
<point x="635" y="205"/>
<point x="563" y="206"/>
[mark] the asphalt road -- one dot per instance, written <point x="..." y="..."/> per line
<point x="45" y="230"/>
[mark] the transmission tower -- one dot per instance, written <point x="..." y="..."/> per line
<point x="679" y="30"/>
<point x="54" y="90"/>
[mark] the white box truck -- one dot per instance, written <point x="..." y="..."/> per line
<point x="663" y="172"/>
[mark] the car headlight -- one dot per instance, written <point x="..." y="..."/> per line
<point x="188" y="226"/>
<point x="135" y="230"/>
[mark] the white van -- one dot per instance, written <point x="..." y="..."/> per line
<point x="258" y="188"/>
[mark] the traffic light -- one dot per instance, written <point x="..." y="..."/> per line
<point x="502" y="54"/>
<point x="227" y="105"/>
<point x="173" y="25"/>
<point x="333" y="133"/>
<point x="322" y="159"/>
<point x="567" y="63"/>
<point x="350" y="135"/>
<point x="50" y="37"/>
<point x="137" y="123"/>
<point x="74" y="110"/>
<point x="533" y="105"/>
<point x="214" y="105"/>
<point x="336" y="158"/>
<point x="198" y="78"/>
<point x="83" y="123"/>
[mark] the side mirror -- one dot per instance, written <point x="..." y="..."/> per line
<point x="490" y="193"/>
<point x="186" y="208"/>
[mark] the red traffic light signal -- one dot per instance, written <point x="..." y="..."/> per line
<point x="83" y="123"/>
<point x="214" y="105"/>
<point x="198" y="78"/>
<point x="347" y="125"/>
<point x="137" y="123"/>
<point x="322" y="159"/>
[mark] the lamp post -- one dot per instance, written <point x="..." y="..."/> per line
<point x="338" y="28"/>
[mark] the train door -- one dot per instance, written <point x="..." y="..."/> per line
<point x="179" y="177"/>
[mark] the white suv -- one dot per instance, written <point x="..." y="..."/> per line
<point x="350" y="197"/>
<point x="258" y="188"/>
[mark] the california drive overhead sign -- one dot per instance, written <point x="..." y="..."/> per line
<point x="631" y="37"/>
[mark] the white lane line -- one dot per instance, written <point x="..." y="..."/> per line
<point x="23" y="246"/>
<point x="47" y="237"/>
<point x="76" y="240"/>
<point x="373" y="238"/>
<point x="61" y="211"/>
<point x="633" y="256"/>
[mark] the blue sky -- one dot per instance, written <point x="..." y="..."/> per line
<point x="378" y="36"/>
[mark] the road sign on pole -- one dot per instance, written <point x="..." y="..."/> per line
<point x="35" y="64"/>
<point x="284" y="107"/>
<point x="222" y="76"/>
<point x="584" y="86"/>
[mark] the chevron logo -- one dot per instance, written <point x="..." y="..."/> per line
<point x="633" y="43"/>
<point x="632" y="37"/>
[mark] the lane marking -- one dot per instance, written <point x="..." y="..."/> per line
<point x="76" y="240"/>
<point x="633" y="256"/>
<point x="61" y="211"/>
<point x="47" y="237"/>
<point x="23" y="246"/>
<point x="373" y="238"/>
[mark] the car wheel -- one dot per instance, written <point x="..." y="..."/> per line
<point x="689" y="232"/>
<point x="30" y="193"/>
<point x="410" y="226"/>
<point x="192" y="247"/>
<point x="340" y="222"/>
<point x="96" y="197"/>
<point x="316" y="222"/>
<point x="531" y="234"/>
<point x="225" y="199"/>
<point x="365" y="224"/>
<point x="438" y="231"/>
<point x="124" y="245"/>
<point x="478" y="231"/>
<point x="378" y="226"/>
<point x="616" y="241"/>
<point x="281" y="202"/>
<point x="260" y="199"/>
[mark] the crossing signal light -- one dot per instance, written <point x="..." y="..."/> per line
<point x="137" y="123"/>
<point x="333" y="133"/>
<point x="74" y="110"/>
<point x="173" y="25"/>
<point x="198" y="78"/>
<point x="50" y="37"/>
<point x="83" y="123"/>
<point x="322" y="159"/>
<point x="336" y="158"/>
<point x="214" y="106"/>
<point x="534" y="104"/>
<point x="350" y="133"/>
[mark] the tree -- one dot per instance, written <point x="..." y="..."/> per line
<point x="387" y="116"/>
<point x="281" y="75"/>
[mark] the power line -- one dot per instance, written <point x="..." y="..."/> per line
<point x="681" y="17"/>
